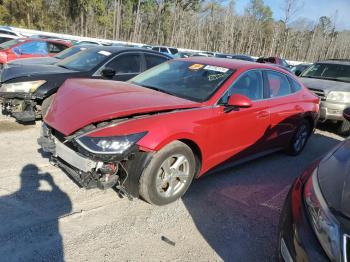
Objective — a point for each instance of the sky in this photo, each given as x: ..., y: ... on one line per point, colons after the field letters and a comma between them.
x: 311, y: 9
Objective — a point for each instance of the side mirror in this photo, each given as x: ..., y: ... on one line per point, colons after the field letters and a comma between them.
x: 346, y: 113
x: 108, y: 72
x: 237, y: 101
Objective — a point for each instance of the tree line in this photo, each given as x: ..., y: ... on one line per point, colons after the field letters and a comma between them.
x: 212, y: 25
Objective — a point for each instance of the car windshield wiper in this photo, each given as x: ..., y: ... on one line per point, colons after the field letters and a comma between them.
x: 63, y: 67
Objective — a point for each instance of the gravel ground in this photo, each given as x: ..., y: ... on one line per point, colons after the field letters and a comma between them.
x: 231, y: 215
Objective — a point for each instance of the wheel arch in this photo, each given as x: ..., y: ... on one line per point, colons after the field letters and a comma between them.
x: 197, y: 153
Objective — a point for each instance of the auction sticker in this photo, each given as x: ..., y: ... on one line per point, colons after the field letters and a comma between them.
x: 105, y: 53
x: 216, y: 68
x: 195, y: 67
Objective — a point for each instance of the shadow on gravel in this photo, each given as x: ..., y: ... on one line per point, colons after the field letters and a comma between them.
x: 237, y: 209
x: 29, y: 229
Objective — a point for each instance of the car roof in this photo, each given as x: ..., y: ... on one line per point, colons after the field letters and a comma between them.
x: 336, y: 61
x: 228, y: 63
x: 117, y: 49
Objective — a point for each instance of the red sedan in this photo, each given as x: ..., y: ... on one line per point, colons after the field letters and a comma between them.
x: 152, y: 135
x: 30, y: 47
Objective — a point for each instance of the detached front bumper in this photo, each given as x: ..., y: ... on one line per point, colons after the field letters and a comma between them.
x: 332, y: 111
x: 19, y: 105
x: 87, y: 172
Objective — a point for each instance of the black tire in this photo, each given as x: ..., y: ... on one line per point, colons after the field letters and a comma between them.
x: 46, y: 104
x: 344, y: 128
x: 294, y: 148
x: 148, y: 186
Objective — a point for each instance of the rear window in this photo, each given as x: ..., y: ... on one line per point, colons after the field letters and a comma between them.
x: 153, y: 60
x: 196, y: 82
x: 10, y: 43
x: 173, y: 51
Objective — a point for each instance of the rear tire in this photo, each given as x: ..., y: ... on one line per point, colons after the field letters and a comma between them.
x: 299, y: 139
x: 45, y: 105
x: 344, y: 128
x: 168, y: 175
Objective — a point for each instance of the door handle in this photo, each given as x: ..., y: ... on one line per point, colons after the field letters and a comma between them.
x: 262, y: 115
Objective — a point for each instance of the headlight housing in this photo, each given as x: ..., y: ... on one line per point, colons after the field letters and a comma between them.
x: 323, y: 222
x: 109, y: 145
x: 23, y: 87
x: 337, y: 96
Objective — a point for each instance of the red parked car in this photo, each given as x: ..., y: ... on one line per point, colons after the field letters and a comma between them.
x: 30, y: 47
x: 152, y: 135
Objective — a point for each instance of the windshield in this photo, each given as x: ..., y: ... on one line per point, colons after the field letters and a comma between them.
x: 196, y: 82
x: 336, y: 72
x: 10, y: 43
x: 85, y: 60
x: 69, y: 52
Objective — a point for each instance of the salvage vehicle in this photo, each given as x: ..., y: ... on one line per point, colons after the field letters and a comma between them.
x: 29, y: 47
x: 315, y: 221
x: 330, y: 81
x: 26, y: 91
x: 152, y: 135
x: 50, y: 60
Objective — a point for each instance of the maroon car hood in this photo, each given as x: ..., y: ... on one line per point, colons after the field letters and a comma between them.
x: 80, y: 102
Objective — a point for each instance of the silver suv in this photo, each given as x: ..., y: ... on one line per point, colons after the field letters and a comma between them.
x: 330, y: 81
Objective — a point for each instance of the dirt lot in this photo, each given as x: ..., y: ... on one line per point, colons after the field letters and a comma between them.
x: 231, y: 215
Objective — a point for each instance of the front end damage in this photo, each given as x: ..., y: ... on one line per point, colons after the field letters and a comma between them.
x: 89, y: 170
x: 23, y: 107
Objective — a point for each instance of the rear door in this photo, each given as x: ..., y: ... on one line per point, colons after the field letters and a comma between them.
x: 241, y: 132
x: 285, y: 107
x: 126, y: 66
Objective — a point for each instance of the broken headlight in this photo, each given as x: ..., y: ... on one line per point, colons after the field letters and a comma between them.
x: 109, y: 145
x: 22, y: 87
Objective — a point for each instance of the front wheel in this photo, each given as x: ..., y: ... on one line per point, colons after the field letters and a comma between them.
x: 299, y: 139
x: 168, y: 175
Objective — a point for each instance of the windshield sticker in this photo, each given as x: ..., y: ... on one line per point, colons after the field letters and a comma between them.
x: 214, y: 77
x: 196, y: 67
x: 216, y: 68
x: 105, y: 53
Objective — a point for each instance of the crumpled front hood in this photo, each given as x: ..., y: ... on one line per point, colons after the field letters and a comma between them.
x: 80, y: 102
x: 325, y: 85
x: 16, y: 71
x: 334, y: 179
x: 34, y: 61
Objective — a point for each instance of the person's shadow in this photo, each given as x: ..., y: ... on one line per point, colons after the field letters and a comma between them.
x: 29, y: 229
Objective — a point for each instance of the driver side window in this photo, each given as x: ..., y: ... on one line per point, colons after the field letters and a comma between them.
x: 250, y: 84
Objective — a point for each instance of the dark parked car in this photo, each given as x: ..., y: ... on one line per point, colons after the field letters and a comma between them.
x: 298, y: 69
x: 330, y: 80
x: 51, y: 60
x: 152, y: 135
x: 239, y: 57
x: 273, y: 60
x: 315, y: 221
x: 27, y: 90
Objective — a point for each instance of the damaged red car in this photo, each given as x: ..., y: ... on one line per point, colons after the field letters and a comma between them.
x: 151, y: 136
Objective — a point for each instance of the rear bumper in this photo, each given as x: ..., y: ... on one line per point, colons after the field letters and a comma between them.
x: 332, y: 111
